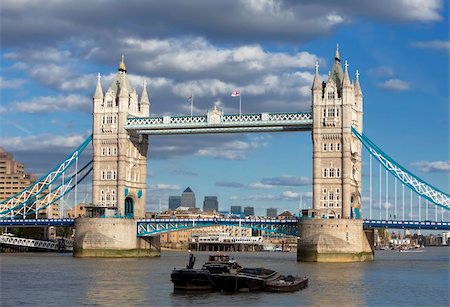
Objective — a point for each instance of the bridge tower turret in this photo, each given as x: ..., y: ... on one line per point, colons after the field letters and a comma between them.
x: 335, y: 232
x: 336, y: 108
x: 120, y: 158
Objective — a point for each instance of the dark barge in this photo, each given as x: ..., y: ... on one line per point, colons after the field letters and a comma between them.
x: 220, y: 273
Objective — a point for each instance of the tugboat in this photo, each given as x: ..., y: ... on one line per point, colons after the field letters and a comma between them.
x: 220, y: 273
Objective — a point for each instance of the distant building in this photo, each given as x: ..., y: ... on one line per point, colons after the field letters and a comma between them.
x: 236, y: 210
x: 174, y: 202
x: 249, y: 211
x: 271, y: 212
x: 211, y: 204
x: 13, y: 180
x: 188, y: 198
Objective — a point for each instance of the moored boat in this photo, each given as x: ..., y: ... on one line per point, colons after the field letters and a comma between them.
x: 286, y: 284
x: 220, y: 273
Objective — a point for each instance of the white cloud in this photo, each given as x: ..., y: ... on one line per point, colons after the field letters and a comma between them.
x: 11, y: 83
x: 422, y: 10
x: 232, y: 150
x: 381, y: 71
x: 436, y: 45
x: 46, y: 104
x: 259, y: 185
x: 290, y: 195
x: 395, y: 85
x: 42, y: 142
x: 432, y: 166
x: 163, y: 187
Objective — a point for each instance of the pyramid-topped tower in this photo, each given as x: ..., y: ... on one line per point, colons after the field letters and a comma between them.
x: 120, y: 158
x: 337, y: 107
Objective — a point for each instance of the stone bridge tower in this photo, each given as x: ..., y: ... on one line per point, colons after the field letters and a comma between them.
x: 333, y: 231
x: 120, y: 158
x: 336, y: 108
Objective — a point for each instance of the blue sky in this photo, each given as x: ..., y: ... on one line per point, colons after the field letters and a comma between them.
x: 51, y: 53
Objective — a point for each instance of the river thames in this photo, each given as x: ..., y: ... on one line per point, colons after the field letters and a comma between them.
x: 393, y: 279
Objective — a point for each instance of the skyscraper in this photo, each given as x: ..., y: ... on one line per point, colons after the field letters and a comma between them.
x: 236, y: 210
x: 211, y: 203
x: 174, y: 202
x: 271, y: 212
x: 188, y: 198
x: 249, y: 211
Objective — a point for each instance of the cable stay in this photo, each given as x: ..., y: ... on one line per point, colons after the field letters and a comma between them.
x: 416, y: 184
x: 43, y: 200
x: 42, y: 184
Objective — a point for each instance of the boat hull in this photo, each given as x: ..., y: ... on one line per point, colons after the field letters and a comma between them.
x: 282, y: 285
x: 192, y: 280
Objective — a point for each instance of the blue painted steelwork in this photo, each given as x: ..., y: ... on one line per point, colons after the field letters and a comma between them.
x: 430, y: 225
x: 41, y: 201
x: 152, y: 227
x: 263, y: 122
x: 416, y: 184
x: 26, y: 196
x: 36, y: 222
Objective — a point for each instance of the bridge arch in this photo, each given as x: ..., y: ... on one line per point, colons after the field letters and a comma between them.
x: 129, y: 207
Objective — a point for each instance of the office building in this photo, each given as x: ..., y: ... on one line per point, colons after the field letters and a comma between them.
x: 236, y: 210
x: 271, y: 212
x: 13, y: 180
x: 248, y: 211
x: 211, y: 204
x: 188, y: 198
x: 174, y: 202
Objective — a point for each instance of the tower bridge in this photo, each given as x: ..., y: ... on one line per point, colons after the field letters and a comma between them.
x: 334, y: 228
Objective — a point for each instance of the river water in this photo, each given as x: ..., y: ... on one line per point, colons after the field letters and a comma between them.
x: 394, y: 279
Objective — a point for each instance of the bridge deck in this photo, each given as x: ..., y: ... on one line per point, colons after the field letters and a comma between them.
x: 219, y: 123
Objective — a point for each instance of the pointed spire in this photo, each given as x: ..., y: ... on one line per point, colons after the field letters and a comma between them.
x: 316, y: 82
x: 98, y: 90
x: 358, y: 91
x: 337, y: 56
x: 123, y: 91
x: 346, y: 81
x: 144, y: 95
x: 122, y: 66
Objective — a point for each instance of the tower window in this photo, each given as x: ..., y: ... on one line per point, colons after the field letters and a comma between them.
x: 338, y: 146
x: 331, y: 146
x: 331, y: 172
x: 324, y: 146
x: 325, y: 172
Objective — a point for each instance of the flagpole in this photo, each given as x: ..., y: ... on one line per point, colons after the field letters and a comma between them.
x: 192, y: 104
x: 240, y: 105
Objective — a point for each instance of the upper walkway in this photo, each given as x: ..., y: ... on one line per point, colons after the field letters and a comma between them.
x: 216, y: 122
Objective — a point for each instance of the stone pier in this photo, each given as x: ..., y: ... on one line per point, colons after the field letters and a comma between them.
x: 334, y: 240
x: 112, y: 237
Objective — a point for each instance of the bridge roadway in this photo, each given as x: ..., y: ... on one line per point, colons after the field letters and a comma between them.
x: 151, y: 227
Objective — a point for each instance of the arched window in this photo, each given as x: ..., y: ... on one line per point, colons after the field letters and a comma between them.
x: 331, y: 172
